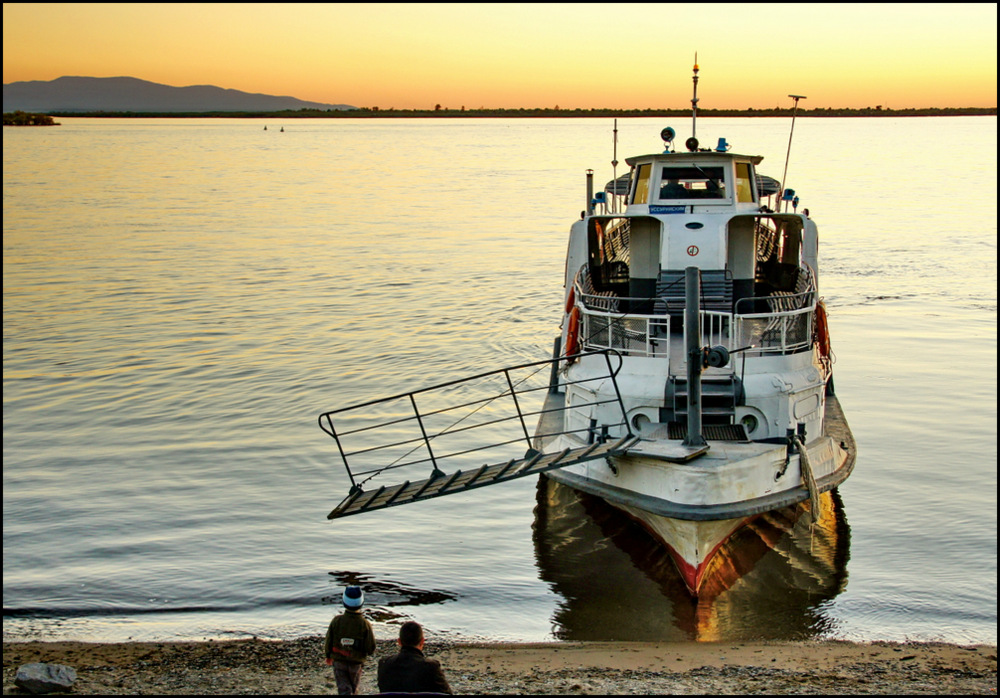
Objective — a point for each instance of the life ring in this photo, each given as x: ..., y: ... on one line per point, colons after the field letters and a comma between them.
x: 600, y: 241
x: 573, y: 332
x: 571, y: 299
x: 822, y: 331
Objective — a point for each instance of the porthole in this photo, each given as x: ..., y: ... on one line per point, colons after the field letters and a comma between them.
x: 640, y: 422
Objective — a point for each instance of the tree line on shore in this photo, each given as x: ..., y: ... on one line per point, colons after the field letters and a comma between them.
x: 18, y: 118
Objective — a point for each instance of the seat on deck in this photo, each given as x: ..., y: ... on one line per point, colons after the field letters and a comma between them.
x: 716, y: 291
x: 593, y: 299
x: 787, y: 301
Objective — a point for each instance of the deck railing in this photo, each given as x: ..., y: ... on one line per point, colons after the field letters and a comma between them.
x: 628, y: 333
x: 778, y: 332
x: 774, y: 333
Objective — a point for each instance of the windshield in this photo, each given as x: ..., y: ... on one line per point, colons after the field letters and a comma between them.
x: 692, y: 182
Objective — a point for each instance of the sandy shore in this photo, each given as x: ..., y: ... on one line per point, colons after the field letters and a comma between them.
x: 269, y: 667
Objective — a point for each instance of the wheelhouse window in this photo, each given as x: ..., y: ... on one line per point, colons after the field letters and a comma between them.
x: 641, y: 195
x: 692, y: 182
x: 744, y: 190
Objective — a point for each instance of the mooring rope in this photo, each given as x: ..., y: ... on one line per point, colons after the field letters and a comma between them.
x: 810, y: 482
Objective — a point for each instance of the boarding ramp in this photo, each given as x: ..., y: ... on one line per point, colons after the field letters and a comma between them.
x: 469, y: 433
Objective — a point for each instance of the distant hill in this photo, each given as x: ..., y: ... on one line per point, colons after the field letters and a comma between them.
x: 80, y: 94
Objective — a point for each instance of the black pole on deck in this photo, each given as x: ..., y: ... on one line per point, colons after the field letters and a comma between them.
x: 692, y: 328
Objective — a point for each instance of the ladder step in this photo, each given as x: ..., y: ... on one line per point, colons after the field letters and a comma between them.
x: 398, y: 492
x: 364, y: 505
x: 407, y: 492
x: 721, y: 411
x: 476, y: 476
x: 451, y: 479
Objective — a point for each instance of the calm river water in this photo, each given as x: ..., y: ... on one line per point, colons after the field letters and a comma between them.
x: 182, y: 298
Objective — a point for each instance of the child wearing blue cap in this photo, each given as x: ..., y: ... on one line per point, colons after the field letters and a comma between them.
x: 349, y: 641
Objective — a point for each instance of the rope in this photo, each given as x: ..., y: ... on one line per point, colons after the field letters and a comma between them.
x: 810, y: 482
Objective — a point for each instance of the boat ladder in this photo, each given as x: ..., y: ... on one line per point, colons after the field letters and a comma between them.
x: 396, y: 433
x: 533, y: 463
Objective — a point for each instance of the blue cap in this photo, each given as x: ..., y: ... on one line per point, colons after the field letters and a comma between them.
x: 353, y: 597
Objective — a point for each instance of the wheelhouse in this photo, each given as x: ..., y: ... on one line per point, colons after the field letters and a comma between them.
x: 680, y: 183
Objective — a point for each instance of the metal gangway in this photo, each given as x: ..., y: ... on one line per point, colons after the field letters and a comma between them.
x: 442, y: 426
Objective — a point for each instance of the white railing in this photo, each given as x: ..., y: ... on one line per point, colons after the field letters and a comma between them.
x: 767, y: 334
x: 775, y: 333
x: 632, y: 335
x: 715, y: 329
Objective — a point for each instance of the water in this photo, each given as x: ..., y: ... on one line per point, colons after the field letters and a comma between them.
x: 182, y: 298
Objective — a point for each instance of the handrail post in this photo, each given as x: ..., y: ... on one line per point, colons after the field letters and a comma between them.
x: 437, y: 471
x: 554, y: 371
x: 618, y: 394
x: 517, y: 406
x: 333, y: 433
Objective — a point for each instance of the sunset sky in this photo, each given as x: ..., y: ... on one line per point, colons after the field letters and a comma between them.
x: 568, y: 55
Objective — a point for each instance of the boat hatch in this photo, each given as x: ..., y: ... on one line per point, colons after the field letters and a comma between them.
x: 420, y: 435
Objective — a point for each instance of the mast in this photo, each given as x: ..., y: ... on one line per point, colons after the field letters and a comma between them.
x: 694, y: 99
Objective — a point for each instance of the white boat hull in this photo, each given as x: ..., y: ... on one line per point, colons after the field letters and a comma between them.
x: 691, y: 544
x: 694, y: 507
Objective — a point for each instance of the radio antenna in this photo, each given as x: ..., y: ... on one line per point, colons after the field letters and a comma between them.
x: 781, y: 191
x: 614, y: 170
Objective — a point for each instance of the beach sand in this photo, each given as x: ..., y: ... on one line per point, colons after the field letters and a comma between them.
x: 256, y: 666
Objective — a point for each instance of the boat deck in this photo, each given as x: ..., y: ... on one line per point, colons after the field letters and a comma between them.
x: 835, y: 428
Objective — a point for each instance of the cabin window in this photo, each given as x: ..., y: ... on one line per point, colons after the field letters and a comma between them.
x: 642, y: 184
x: 692, y: 182
x: 744, y: 191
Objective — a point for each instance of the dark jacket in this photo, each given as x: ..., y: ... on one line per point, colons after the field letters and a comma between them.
x: 410, y: 671
x: 349, y: 638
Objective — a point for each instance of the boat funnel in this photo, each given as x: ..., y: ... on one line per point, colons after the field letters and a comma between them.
x: 590, y: 193
x: 722, y: 147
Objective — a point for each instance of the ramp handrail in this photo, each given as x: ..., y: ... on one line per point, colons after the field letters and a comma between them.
x: 406, y: 414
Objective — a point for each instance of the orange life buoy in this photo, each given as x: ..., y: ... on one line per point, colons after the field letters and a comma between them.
x: 571, y: 299
x: 600, y: 241
x: 573, y: 332
x: 822, y: 331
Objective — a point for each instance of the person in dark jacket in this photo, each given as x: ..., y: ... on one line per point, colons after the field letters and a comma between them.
x: 409, y: 671
x: 349, y: 641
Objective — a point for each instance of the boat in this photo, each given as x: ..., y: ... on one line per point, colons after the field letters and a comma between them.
x: 773, y: 578
x: 691, y: 384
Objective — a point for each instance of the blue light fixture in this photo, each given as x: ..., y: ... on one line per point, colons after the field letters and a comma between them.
x: 668, y: 134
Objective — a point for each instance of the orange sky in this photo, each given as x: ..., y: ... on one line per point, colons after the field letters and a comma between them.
x: 567, y: 55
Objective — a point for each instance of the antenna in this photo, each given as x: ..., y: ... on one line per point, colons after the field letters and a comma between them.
x: 614, y: 170
x: 694, y: 99
x: 781, y: 191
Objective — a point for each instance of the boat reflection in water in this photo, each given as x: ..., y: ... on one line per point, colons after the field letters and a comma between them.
x: 771, y: 580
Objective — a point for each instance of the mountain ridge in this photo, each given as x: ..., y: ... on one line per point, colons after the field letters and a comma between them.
x: 129, y: 94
